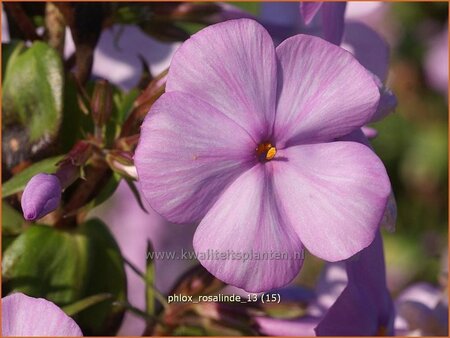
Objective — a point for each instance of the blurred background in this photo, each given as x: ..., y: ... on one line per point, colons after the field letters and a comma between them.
x: 412, y: 142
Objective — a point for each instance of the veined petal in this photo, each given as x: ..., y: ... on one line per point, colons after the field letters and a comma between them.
x: 247, y: 220
x: 187, y: 154
x: 232, y: 66
x: 334, y: 194
x: 323, y: 92
x: 390, y: 214
x: 27, y: 316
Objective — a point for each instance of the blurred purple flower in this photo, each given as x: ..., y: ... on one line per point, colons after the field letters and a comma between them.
x: 228, y: 12
x: 332, y: 18
x: 41, y: 196
x: 121, y: 48
x: 422, y: 310
x: 436, y: 63
x: 303, y: 327
x: 366, y: 11
x: 211, y: 149
x: 347, y: 304
x: 27, y: 316
x: 365, y: 306
x: 5, y: 28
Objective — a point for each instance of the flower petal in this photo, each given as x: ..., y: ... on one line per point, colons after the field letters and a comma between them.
x: 368, y: 47
x: 298, y: 327
x: 27, y: 316
x: 324, y: 92
x: 390, y: 214
x: 308, y: 10
x: 351, y: 315
x: 365, y: 306
x: 232, y: 66
x: 247, y: 220
x: 41, y: 196
x: 332, y: 281
x: 334, y: 194
x: 187, y: 154
x: 333, y: 21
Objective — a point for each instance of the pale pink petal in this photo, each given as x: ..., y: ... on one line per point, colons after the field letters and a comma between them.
x: 27, y: 316
x: 369, y: 132
x: 187, y: 154
x: 232, y: 66
x: 248, y: 220
x: 334, y: 194
x: 390, y: 214
x: 324, y: 92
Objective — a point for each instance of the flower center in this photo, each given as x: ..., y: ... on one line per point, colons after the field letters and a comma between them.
x: 266, y: 151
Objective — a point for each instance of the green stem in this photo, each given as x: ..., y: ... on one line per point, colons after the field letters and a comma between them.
x: 158, y: 295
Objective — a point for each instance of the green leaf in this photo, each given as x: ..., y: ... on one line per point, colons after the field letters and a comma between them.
x: 75, y: 123
x: 12, y: 225
x: 251, y: 7
x: 12, y: 220
x: 124, y: 103
x: 47, y: 262
x: 18, y: 182
x: 9, y: 52
x: 184, y: 330
x: 105, y: 192
x: 85, y: 303
x: 67, y: 266
x: 32, y: 92
x: 106, y: 274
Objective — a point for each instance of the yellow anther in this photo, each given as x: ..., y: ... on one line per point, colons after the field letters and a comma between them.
x: 266, y: 151
x: 271, y: 153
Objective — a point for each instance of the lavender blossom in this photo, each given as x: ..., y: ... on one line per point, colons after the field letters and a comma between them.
x: 27, y: 316
x: 41, y: 196
x: 240, y: 141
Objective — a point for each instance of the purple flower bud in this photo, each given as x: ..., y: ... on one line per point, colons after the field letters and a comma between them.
x: 41, y: 196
